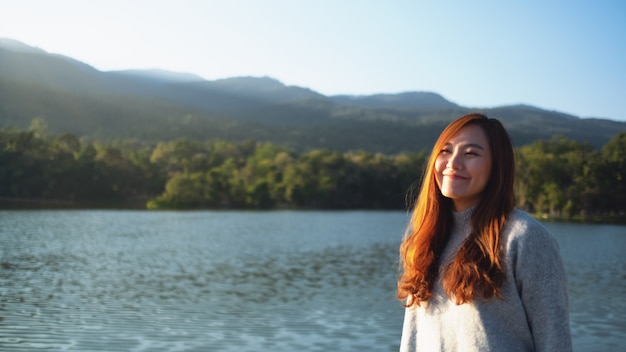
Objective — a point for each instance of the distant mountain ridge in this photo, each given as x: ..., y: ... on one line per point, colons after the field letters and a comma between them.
x: 154, y: 105
x: 17, y: 46
x: 160, y: 75
x: 405, y: 100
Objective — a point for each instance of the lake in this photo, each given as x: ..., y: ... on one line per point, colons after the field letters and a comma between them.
x: 83, y: 280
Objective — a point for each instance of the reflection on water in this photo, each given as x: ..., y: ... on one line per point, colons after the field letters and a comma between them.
x: 245, y: 281
x: 199, y: 281
x: 596, y: 268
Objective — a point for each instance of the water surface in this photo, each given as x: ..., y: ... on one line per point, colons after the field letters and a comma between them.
x: 245, y: 281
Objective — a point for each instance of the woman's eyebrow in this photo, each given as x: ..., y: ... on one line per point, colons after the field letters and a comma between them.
x: 473, y: 145
x: 468, y: 145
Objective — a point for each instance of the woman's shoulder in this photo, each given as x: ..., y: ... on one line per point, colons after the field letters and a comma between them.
x: 521, y: 226
x: 532, y: 250
x: 519, y: 216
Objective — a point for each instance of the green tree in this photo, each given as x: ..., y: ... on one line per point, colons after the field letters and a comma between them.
x: 180, y: 156
x: 39, y: 127
x: 612, y: 175
x: 181, y: 191
x: 557, y: 177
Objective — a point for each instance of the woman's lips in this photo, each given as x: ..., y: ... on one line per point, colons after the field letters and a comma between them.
x: 455, y: 176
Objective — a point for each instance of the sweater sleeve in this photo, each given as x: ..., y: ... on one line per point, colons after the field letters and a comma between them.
x: 542, y: 286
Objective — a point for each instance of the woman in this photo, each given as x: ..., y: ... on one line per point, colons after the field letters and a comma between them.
x: 478, y: 274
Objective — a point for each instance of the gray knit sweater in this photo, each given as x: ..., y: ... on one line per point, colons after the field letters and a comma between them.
x: 532, y: 316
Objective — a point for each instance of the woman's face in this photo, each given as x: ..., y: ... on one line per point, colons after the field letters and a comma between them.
x: 463, y: 167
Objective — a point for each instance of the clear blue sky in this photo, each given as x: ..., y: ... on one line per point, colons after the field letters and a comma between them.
x: 568, y: 56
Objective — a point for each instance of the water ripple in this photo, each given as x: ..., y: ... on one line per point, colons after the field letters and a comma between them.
x: 242, y: 281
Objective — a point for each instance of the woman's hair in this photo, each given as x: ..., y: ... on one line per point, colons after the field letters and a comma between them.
x: 478, y: 268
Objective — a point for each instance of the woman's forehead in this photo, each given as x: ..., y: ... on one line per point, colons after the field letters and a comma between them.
x: 469, y: 135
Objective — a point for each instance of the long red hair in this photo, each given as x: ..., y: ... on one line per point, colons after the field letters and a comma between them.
x: 478, y: 269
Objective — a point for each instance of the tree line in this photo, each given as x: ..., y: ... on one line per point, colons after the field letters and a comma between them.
x: 557, y: 177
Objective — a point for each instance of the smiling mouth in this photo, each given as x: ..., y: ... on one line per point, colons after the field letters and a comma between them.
x: 455, y: 177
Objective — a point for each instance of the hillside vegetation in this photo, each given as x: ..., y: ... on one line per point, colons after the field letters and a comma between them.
x: 154, y: 106
x: 72, y: 135
x: 559, y: 177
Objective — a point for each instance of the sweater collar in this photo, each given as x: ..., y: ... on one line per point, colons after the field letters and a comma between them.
x: 463, y: 217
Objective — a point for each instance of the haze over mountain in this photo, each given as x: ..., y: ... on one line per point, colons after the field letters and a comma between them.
x: 155, y: 105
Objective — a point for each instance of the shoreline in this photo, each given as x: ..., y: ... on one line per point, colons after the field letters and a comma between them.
x: 595, y: 219
x: 7, y: 203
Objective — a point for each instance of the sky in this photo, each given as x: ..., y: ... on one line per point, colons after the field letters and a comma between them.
x: 562, y: 55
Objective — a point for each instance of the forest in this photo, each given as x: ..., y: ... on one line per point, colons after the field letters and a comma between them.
x: 557, y: 178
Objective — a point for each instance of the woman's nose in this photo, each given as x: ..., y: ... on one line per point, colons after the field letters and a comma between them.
x: 454, y: 162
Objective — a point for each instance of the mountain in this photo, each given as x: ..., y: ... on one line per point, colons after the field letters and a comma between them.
x: 408, y: 100
x: 155, y: 105
x: 17, y: 46
x: 159, y: 75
